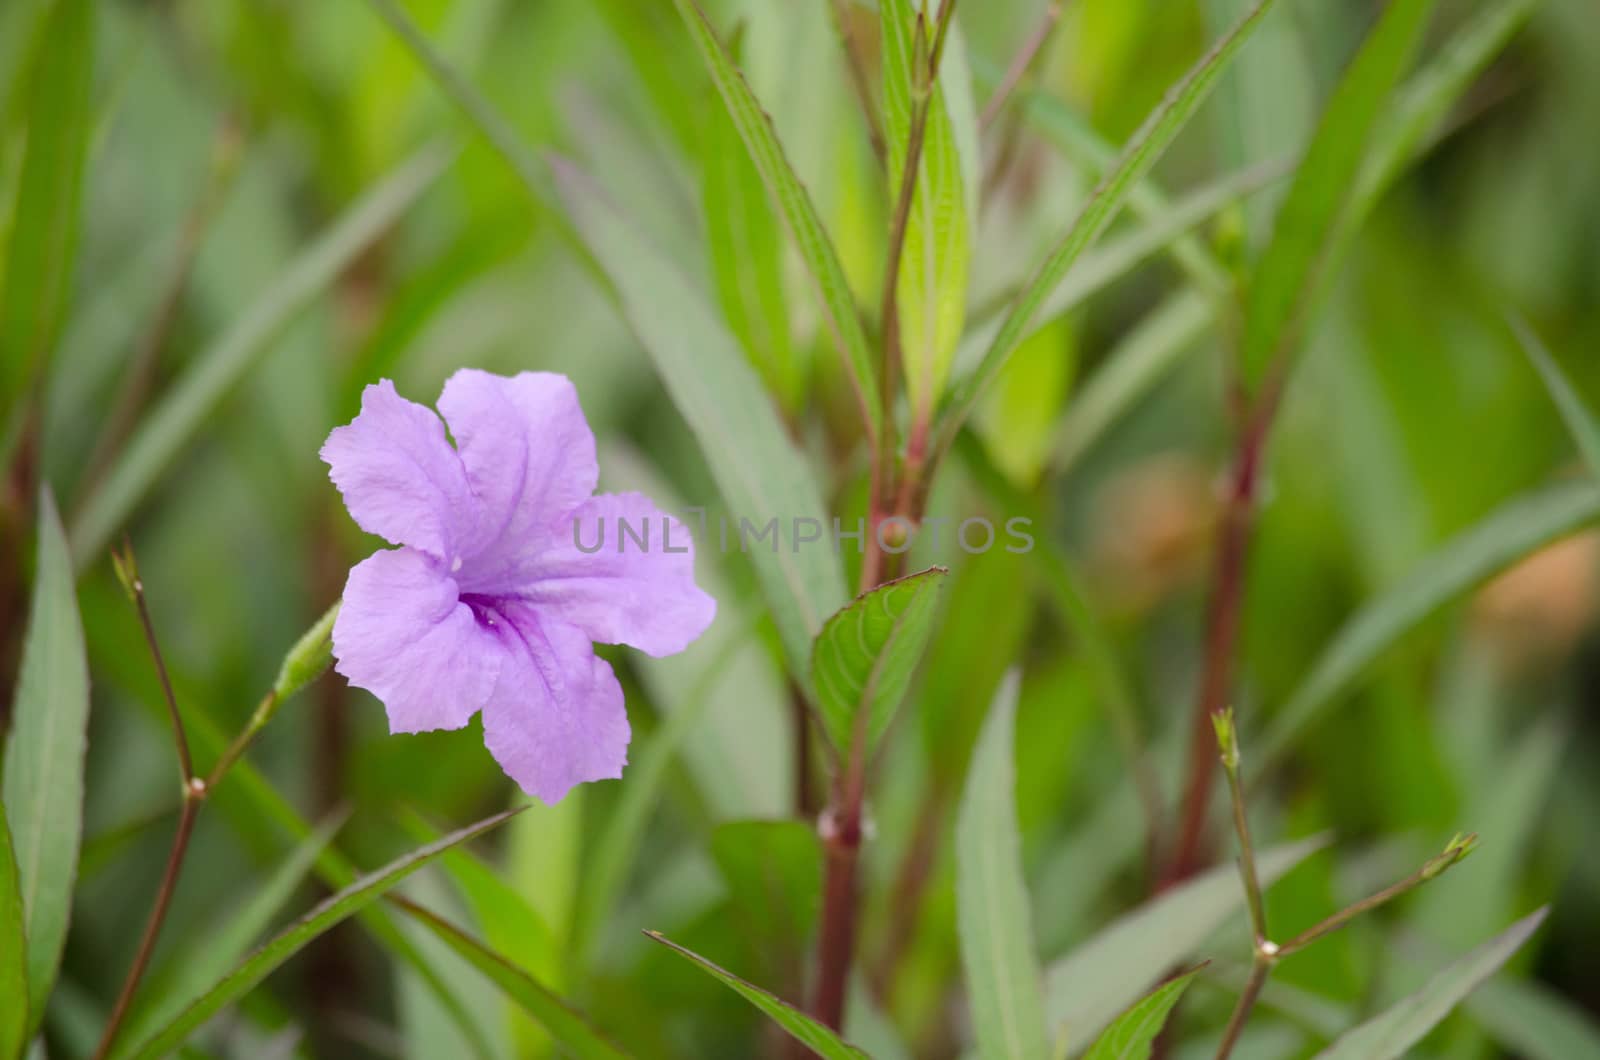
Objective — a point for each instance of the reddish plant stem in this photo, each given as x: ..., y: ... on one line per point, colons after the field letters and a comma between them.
x: 1259, y: 969
x: 1223, y: 612
x: 837, y: 936
x: 841, y: 844
x: 194, y: 791
x: 152, y: 927
x: 841, y: 828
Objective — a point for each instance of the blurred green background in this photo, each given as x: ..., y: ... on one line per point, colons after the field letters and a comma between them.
x: 222, y: 138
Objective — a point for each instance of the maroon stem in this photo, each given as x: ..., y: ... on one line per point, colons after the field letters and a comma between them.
x: 836, y: 939
x: 1223, y: 612
x: 152, y: 927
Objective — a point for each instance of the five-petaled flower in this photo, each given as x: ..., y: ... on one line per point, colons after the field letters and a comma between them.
x: 488, y: 604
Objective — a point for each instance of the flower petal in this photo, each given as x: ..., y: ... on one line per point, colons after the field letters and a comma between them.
x: 399, y: 476
x: 623, y: 572
x: 555, y: 718
x: 529, y: 457
x: 404, y: 635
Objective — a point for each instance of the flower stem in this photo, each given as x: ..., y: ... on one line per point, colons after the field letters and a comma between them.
x: 841, y: 841
x: 1259, y: 970
x: 194, y: 791
x: 306, y: 660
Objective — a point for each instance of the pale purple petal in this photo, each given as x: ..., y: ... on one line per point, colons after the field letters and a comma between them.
x: 404, y: 635
x: 529, y: 456
x: 623, y: 572
x: 399, y: 476
x: 555, y: 718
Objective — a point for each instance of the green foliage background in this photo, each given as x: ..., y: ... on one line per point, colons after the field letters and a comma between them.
x: 181, y: 332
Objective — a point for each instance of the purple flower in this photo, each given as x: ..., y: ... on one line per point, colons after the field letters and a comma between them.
x: 488, y: 604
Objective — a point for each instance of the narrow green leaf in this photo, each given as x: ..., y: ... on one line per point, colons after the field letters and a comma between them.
x: 805, y: 1030
x: 1104, y: 265
x: 931, y: 289
x: 805, y: 225
x: 1291, y: 270
x: 37, y: 273
x: 1507, y: 534
x: 333, y: 911
x: 185, y: 978
x: 43, y: 780
x: 1133, y: 1033
x: 506, y: 916
x: 564, y: 1023
x: 13, y: 952
x: 992, y: 907
x: 1078, y: 140
x: 763, y: 480
x: 1141, y: 152
x: 1416, y: 111
x: 864, y: 658
x: 1579, y: 418
x: 747, y: 258
x: 1086, y: 989
x: 1390, y: 1034
x: 220, y: 367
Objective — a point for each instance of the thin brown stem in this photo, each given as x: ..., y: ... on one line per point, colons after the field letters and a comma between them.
x: 194, y: 791
x: 152, y: 927
x: 128, y: 573
x: 1456, y: 850
x: 1031, y: 47
x: 1247, y: 1001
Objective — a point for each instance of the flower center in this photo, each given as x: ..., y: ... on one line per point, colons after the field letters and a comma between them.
x: 486, y: 609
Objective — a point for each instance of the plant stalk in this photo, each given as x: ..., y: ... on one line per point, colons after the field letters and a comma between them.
x: 194, y: 791
x: 1223, y: 614
x: 878, y: 566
